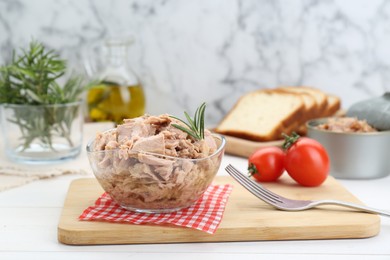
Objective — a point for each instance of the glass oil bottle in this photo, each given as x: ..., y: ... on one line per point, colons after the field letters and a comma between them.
x: 119, y: 93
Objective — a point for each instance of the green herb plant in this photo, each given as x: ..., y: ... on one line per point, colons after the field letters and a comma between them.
x: 194, y: 126
x: 31, y: 79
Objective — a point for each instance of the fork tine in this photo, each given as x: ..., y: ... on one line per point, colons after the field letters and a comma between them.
x: 255, y: 185
x: 255, y: 188
x: 250, y: 186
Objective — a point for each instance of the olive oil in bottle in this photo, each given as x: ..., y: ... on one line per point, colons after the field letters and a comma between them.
x: 114, y: 103
x: 119, y: 95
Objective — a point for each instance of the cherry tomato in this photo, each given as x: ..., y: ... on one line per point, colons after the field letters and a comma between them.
x: 307, y: 162
x: 266, y: 164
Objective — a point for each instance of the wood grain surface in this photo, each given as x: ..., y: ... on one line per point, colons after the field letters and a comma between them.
x: 246, y: 218
x: 245, y: 148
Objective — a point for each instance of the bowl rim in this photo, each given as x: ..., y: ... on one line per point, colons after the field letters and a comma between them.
x: 312, y: 123
x: 220, y: 149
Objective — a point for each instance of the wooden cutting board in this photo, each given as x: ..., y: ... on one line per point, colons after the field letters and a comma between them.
x: 246, y: 218
x: 245, y: 148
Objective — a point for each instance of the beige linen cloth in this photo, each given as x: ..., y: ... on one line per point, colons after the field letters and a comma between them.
x: 16, y: 174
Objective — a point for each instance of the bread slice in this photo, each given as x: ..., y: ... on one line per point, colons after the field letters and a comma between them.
x: 263, y: 115
x: 308, y: 100
x: 334, y: 105
x: 319, y: 97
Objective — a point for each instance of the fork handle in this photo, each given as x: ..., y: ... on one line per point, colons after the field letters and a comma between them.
x: 351, y: 205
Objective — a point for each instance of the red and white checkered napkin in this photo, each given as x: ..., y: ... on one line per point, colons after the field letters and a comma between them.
x: 204, y: 215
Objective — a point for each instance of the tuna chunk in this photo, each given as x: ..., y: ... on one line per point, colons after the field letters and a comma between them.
x: 135, y: 128
x: 102, y: 139
x: 152, y: 144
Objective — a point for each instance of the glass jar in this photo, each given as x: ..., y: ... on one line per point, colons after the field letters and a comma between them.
x: 119, y: 93
x: 41, y: 134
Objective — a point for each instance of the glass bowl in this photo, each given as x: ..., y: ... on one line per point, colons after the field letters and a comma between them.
x: 154, y: 183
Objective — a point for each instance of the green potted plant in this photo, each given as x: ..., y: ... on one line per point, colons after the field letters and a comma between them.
x: 41, y: 120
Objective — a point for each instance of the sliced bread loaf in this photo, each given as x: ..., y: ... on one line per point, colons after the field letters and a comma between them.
x: 319, y: 97
x: 263, y: 115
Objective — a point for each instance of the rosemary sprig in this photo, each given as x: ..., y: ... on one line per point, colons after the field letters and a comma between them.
x: 195, y: 126
x: 31, y: 79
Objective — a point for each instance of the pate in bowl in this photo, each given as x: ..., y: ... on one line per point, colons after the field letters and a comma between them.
x: 149, y: 165
x: 356, y: 149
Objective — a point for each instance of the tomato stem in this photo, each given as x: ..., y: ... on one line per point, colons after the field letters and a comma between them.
x: 289, y: 140
x: 252, y: 169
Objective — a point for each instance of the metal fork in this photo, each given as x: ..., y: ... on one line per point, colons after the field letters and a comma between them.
x: 283, y: 203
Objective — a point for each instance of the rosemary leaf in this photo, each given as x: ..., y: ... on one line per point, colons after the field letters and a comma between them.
x: 191, y: 123
x: 200, y: 116
x: 187, y: 130
x: 195, y: 126
x: 184, y: 122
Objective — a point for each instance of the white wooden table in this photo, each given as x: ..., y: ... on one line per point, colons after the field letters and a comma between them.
x: 29, y: 217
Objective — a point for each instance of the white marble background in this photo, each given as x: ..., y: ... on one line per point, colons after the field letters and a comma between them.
x: 187, y: 52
